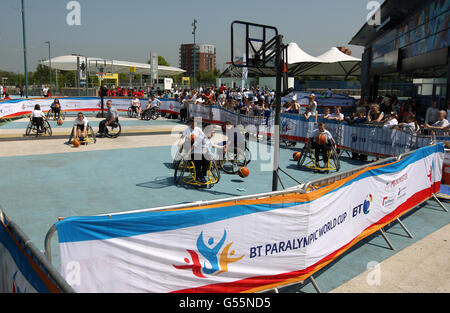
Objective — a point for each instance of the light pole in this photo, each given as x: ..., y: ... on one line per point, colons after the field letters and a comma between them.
x: 194, y: 28
x: 49, y: 62
x: 24, y: 51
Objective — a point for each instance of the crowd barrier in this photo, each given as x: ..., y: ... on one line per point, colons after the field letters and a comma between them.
x: 365, y: 139
x: 22, y: 107
x: 244, y: 244
x: 23, y: 268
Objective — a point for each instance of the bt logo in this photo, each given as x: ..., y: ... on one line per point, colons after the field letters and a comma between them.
x: 363, y: 207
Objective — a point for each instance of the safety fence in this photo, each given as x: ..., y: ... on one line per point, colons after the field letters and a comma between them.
x: 23, y: 268
x: 244, y: 244
x: 359, y: 138
x: 367, y: 139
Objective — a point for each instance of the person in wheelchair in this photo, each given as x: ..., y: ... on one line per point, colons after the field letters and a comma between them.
x: 153, y: 105
x: 55, y: 107
x: 80, y: 126
x: 37, y: 117
x: 112, y: 116
x: 135, y: 105
x: 235, y: 140
x: 321, y: 142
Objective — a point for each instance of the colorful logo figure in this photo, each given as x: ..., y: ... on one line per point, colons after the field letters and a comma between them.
x: 430, y: 173
x: 285, y: 127
x: 367, y: 203
x: 218, y: 260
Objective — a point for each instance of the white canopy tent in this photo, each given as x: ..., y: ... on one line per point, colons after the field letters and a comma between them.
x: 334, y: 63
x: 69, y: 63
x: 331, y: 63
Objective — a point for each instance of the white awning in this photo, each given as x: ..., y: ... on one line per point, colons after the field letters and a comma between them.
x: 69, y: 63
x: 335, y: 63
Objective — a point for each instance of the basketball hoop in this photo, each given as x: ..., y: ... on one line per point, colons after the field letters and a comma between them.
x: 100, y: 75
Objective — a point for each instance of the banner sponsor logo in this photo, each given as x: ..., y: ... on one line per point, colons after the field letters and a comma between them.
x: 363, y: 207
x: 215, y: 261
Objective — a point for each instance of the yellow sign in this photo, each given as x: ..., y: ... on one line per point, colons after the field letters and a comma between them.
x: 113, y: 76
x: 185, y: 80
x: 132, y: 69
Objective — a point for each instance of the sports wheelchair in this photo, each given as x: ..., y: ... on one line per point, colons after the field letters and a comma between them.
x: 32, y: 128
x: 132, y: 111
x: 234, y: 158
x: 152, y: 113
x: 90, y: 136
x: 113, y: 130
x: 185, y: 172
x: 52, y: 114
x: 308, y: 159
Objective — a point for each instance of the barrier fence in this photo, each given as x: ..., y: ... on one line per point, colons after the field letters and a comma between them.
x: 244, y: 244
x: 24, y: 269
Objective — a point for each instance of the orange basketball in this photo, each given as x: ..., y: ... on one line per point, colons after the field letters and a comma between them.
x: 192, y: 138
x: 59, y: 122
x: 76, y: 142
x: 297, y: 155
x: 321, y: 139
x: 243, y: 172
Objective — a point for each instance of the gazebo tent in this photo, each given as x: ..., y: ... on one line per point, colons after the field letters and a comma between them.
x: 331, y: 63
x: 69, y: 63
x: 335, y: 63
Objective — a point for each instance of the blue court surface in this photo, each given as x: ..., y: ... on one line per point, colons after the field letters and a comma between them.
x: 37, y: 189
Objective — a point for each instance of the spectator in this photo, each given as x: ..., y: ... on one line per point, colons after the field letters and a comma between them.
x: 313, y: 106
x: 409, y: 125
x: 441, y: 122
x: 431, y: 114
x: 375, y: 115
x: 326, y: 113
x: 390, y: 120
x: 337, y: 115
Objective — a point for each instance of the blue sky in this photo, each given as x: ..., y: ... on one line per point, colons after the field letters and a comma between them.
x: 130, y: 30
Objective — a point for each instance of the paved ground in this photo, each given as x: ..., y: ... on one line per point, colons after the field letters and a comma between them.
x: 43, y: 179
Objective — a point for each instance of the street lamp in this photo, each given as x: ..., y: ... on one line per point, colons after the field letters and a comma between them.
x: 49, y: 62
x: 24, y: 50
x: 194, y: 25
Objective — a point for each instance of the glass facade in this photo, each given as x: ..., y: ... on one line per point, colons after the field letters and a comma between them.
x: 425, y: 31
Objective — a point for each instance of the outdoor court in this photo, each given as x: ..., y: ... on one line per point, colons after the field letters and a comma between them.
x: 44, y: 179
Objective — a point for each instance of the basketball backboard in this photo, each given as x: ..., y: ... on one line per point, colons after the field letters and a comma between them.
x: 253, y: 45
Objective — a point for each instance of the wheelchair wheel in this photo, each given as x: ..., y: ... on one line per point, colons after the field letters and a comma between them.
x: 130, y: 112
x: 215, y: 172
x: 113, y: 130
x: 335, y: 156
x: 50, y: 114
x: 305, y: 152
x: 178, y: 175
x: 47, y: 128
x: 29, y: 128
x: 91, y: 135
x: 233, y: 161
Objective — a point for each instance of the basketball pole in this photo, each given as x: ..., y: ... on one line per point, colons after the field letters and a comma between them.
x: 276, y: 153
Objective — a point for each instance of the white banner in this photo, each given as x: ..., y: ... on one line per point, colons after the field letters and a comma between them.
x: 248, y: 245
x: 12, y: 108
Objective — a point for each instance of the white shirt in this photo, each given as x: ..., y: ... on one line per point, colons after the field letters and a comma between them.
x: 84, y: 121
x: 198, y: 146
x: 391, y: 123
x: 327, y: 134
x: 37, y: 113
x: 313, y: 106
x: 136, y: 103
x: 443, y: 123
x: 338, y: 116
